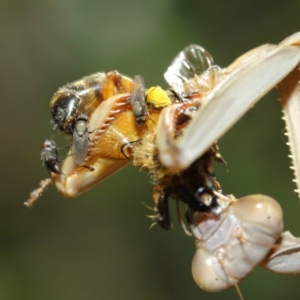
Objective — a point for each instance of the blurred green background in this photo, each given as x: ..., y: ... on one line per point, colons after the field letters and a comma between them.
x: 98, y: 245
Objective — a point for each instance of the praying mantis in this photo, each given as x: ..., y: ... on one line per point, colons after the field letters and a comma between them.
x: 176, y: 145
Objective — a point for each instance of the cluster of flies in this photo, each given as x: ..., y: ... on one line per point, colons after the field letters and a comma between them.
x: 49, y: 153
x: 114, y: 120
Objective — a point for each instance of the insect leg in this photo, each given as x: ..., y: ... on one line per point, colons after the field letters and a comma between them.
x: 160, y: 197
x: 34, y: 195
x: 289, y: 90
x: 284, y: 258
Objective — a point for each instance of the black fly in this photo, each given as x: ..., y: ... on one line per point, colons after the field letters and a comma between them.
x: 138, y: 100
x: 49, y: 157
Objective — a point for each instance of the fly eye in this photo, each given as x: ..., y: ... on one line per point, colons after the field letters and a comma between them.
x: 48, y: 145
x: 63, y: 112
x: 81, y: 127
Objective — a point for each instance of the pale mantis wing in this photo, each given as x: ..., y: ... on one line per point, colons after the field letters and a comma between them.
x: 227, y: 102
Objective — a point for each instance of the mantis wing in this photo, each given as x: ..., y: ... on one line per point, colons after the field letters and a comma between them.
x: 227, y: 102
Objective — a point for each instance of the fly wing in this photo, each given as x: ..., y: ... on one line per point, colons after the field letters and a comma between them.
x: 137, y: 88
x: 138, y: 102
x: 80, y: 148
x: 230, y: 99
